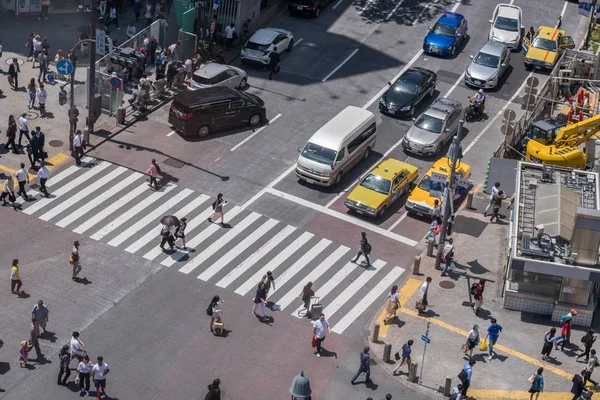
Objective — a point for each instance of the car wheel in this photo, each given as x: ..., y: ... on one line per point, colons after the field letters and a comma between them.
x: 367, y: 153
x: 382, y: 212
x: 243, y: 83
x: 317, y: 12
x: 411, y: 112
x: 290, y: 46
x: 431, y: 92
x: 337, y: 178
x: 203, y: 131
x: 255, y: 119
x: 452, y: 51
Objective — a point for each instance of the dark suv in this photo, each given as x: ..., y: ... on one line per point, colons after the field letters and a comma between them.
x: 310, y: 7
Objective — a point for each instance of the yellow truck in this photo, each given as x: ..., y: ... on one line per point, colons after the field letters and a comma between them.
x: 543, y: 49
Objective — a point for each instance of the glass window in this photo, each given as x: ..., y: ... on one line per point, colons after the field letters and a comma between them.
x: 507, y: 24
x: 231, y: 73
x: 376, y: 183
x: 219, y: 107
x: 318, y: 153
x: 238, y: 104
x: 533, y: 283
x: 429, y: 123
x: 219, y: 78
x: 444, y: 30
x: 353, y: 145
x: 341, y: 155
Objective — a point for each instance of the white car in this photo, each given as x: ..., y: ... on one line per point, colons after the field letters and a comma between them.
x: 506, y: 25
x: 263, y: 42
x: 214, y: 74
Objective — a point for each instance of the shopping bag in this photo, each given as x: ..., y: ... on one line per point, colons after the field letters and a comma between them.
x: 464, y: 348
x: 11, y: 81
x: 314, y: 341
x: 483, y: 346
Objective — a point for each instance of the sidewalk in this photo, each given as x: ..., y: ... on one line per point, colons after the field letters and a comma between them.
x: 479, y: 253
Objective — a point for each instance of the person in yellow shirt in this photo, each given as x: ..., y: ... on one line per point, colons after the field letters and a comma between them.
x: 15, y: 278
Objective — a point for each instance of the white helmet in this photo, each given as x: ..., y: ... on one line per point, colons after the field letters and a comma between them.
x: 481, y: 91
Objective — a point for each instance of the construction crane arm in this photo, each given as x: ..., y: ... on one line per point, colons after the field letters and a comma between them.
x: 576, y: 134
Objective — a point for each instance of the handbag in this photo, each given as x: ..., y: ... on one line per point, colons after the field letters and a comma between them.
x: 77, y: 379
x: 464, y: 348
x: 483, y: 345
x: 73, y: 153
x: 397, y: 356
x: 11, y: 81
x: 531, y: 378
x: 462, y: 376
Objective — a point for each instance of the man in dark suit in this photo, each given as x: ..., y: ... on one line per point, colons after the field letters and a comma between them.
x: 41, y: 142
x: 578, y: 386
x: 13, y: 72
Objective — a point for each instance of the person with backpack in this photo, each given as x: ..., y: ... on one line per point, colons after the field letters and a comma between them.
x: 217, y: 206
x: 477, y: 293
x: 65, y: 359
x: 214, y: 393
x: 153, y: 171
x: 588, y: 341
x: 268, y: 280
x: 214, y: 312
x: 448, y: 256
x: 568, y: 317
x: 537, y: 384
x: 549, y: 339
x: 365, y: 249
x: 465, y: 376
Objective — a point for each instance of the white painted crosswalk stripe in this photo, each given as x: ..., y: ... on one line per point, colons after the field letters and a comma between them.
x: 237, y: 250
x: 82, y: 179
x: 154, y: 215
x: 82, y: 209
x: 219, y: 243
x: 53, y: 180
x: 155, y: 231
x: 89, y: 190
x: 365, y: 302
x: 132, y: 211
x: 256, y: 256
x: 301, y: 263
x: 274, y: 263
x: 315, y: 274
x: 20, y: 200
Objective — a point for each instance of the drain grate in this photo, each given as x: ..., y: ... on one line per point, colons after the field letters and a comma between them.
x: 447, y: 285
x: 173, y: 163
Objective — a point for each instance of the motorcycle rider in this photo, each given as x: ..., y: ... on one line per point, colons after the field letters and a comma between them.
x: 478, y: 101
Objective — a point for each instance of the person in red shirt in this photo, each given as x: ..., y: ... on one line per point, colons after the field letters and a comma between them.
x: 564, y: 333
x: 478, y: 296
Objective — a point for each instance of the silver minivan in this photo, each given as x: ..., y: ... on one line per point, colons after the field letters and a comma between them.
x: 337, y: 147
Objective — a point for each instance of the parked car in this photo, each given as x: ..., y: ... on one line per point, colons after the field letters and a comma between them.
x: 488, y: 65
x: 448, y: 33
x: 382, y: 186
x: 310, y: 7
x: 506, y: 25
x: 200, y: 112
x: 407, y: 92
x: 432, y: 129
x: 214, y: 74
x: 263, y: 42
x: 544, y: 49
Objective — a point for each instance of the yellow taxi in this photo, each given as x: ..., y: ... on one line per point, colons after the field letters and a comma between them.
x: 383, y: 185
x: 544, y: 47
x: 432, y: 185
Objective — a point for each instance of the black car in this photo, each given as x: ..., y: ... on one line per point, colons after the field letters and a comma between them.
x: 310, y: 7
x: 405, y: 94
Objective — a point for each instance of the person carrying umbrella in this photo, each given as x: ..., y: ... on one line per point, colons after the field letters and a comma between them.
x: 168, y: 222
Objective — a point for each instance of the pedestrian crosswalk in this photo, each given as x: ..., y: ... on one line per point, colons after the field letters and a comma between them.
x: 114, y: 205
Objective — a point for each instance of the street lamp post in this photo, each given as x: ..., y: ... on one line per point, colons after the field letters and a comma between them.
x: 73, y: 112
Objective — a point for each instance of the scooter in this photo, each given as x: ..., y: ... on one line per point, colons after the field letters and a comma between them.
x: 473, y: 110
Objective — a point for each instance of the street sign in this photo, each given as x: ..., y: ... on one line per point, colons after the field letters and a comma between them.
x: 115, y: 82
x: 425, y: 339
x: 64, y: 67
x: 50, y: 77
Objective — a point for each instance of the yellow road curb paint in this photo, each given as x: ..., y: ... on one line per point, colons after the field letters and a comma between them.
x: 504, y: 349
x: 477, y: 188
x: 404, y: 294
x: 487, y: 394
x: 52, y: 163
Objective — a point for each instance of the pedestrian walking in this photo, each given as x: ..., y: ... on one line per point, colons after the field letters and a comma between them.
x: 319, y: 327
x: 478, y: 296
x: 180, y: 231
x: 23, y: 129
x: 307, y: 294
x: 229, y: 35
x: 558, y: 22
x: 34, y: 334
x: 465, y: 376
x: 102, y: 9
x: 45, y: 46
x: 9, y: 191
x: 393, y: 305
x: 37, y: 49
x: 214, y: 392
x: 537, y: 384
x: 30, y: 156
x: 423, y: 303
x: 24, y: 354
x: 41, y: 314
x: 493, y: 332
x: 591, y: 364
x: 214, y: 312
x: 45, y: 8
x: 83, y: 373
x: 43, y: 60
x: 456, y: 392
x: 75, y: 261
x: 406, y: 350
x: 365, y: 366
x: 42, y: 96
x: 100, y: 370
x: 260, y: 298
x: 448, y: 256
x: 167, y: 237
x: 549, y: 339
x: 564, y: 333
x: 11, y: 134
x: 578, y: 386
x: 63, y: 366
x: 148, y: 14
x: 472, y: 341
x: 568, y: 317
x: 15, y: 278
x: 496, y: 204
x: 29, y: 45
x: 153, y: 172
x: 136, y: 8
x: 217, y: 206
x: 433, y: 229
x: 13, y: 73
x: 131, y: 31
x: 77, y: 347
x: 112, y: 16
x: 437, y: 210
x: 495, y: 190
x: 269, y: 281
x: 365, y: 249
x: 31, y: 91
x: 36, y: 149
x: 43, y: 174
x: 23, y: 178
x: 78, y: 146
x: 274, y: 60
x: 588, y: 341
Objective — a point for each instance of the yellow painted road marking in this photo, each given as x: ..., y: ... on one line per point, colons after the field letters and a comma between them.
x: 477, y: 188
x: 51, y: 163
x: 485, y: 394
x: 404, y: 294
x: 504, y: 349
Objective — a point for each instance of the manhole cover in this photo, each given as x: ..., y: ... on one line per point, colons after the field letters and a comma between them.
x: 9, y: 61
x: 55, y: 143
x: 447, y: 284
x: 533, y: 81
x: 507, y: 129
x: 173, y: 163
x: 510, y: 115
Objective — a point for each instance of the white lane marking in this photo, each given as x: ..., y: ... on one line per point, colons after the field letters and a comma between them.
x: 256, y: 256
x: 132, y: 212
x: 458, y: 81
x: 199, y: 238
x: 153, y: 215
x: 302, y: 262
x: 393, y: 11
x: 352, y: 289
x: 337, y: 4
x: 367, y: 4
x: 256, y: 132
x: 498, y: 114
x: 237, y: 250
x: 340, y: 66
x: 367, y: 300
x: 111, y: 208
x: 170, y: 133
x: 154, y: 232
x: 82, y: 179
x: 422, y: 12
x: 562, y: 13
x: 270, y: 185
x: 83, y: 194
x: 30, y: 193
x: 344, y: 217
x: 53, y: 180
x: 274, y: 263
x: 296, y: 44
x: 93, y: 203
x: 315, y: 274
x: 395, y: 224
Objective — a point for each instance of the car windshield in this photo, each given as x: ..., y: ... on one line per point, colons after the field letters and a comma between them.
x: 377, y: 183
x: 486, y: 60
x: 404, y: 85
x: 201, y: 79
x: 444, y: 30
x: 429, y: 123
x: 255, y: 46
x: 318, y: 153
x: 544, y: 44
x: 425, y: 184
x: 507, y: 24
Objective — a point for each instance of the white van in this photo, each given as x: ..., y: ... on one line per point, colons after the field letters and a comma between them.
x: 337, y: 147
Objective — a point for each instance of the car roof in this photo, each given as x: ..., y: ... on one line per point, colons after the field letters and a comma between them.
x: 393, y: 167
x: 266, y: 35
x: 211, y: 70
x: 333, y: 132
x: 547, y: 125
x: 493, y: 48
x: 509, y: 11
x: 451, y: 19
x: 442, y: 108
x: 206, y: 95
x: 443, y: 166
x: 547, y: 32
x: 416, y: 74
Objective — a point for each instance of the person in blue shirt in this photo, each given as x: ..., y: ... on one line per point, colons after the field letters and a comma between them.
x: 493, y: 332
x: 537, y: 385
x: 468, y: 369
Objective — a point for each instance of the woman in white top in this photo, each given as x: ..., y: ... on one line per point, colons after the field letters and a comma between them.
x: 392, y: 306
x: 472, y: 340
x: 77, y: 347
x: 83, y: 373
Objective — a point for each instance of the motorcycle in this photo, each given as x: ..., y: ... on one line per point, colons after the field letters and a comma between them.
x: 473, y: 110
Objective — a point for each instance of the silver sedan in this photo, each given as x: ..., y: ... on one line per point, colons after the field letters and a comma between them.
x: 488, y: 66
